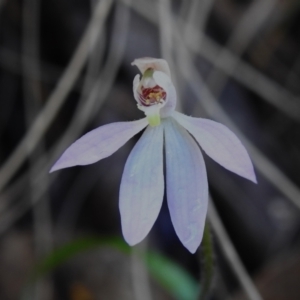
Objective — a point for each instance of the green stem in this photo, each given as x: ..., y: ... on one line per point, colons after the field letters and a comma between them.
x: 207, y: 275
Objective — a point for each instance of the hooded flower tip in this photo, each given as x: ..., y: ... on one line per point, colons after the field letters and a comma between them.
x: 154, y: 92
x: 158, y: 64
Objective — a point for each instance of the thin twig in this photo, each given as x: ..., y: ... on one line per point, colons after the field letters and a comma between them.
x: 246, y: 30
x: 166, y: 40
x: 197, y: 17
x: 239, y: 40
x: 165, y: 29
x: 244, y: 73
x: 184, y: 9
x: 42, y: 225
x: 10, y: 61
x: 33, y: 101
x: 291, y: 79
x: 70, y: 209
x: 56, y: 99
x: 83, y: 114
x: 10, y: 103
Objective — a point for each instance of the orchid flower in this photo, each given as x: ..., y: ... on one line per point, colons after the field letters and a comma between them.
x: 143, y: 184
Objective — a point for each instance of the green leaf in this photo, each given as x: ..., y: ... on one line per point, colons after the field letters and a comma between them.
x: 168, y: 274
x: 66, y: 252
x: 172, y: 277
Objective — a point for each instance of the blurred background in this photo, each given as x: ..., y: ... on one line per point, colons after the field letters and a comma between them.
x: 65, y: 68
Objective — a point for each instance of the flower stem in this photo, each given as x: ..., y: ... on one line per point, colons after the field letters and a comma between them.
x: 207, y: 275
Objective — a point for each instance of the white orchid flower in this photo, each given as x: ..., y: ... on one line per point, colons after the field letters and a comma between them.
x: 142, y: 185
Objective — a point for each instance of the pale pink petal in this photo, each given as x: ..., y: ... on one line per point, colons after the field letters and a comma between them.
x: 142, y: 186
x: 99, y: 143
x: 157, y: 64
x: 187, y: 188
x: 221, y: 144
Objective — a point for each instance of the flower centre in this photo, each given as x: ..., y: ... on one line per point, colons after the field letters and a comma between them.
x: 152, y: 95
